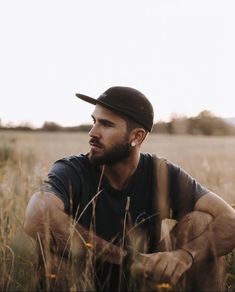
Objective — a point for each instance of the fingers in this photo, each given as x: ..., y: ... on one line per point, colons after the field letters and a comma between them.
x: 138, y: 266
x: 164, y: 267
x: 159, y: 278
x: 172, y: 274
x: 176, y: 276
x: 155, y: 268
x: 167, y: 275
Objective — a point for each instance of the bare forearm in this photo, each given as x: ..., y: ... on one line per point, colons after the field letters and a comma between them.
x: 73, y: 237
x: 102, y: 248
x: 51, y: 225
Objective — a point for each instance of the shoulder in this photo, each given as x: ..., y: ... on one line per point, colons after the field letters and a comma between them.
x: 68, y: 178
x: 74, y: 159
x: 76, y: 162
x: 71, y: 168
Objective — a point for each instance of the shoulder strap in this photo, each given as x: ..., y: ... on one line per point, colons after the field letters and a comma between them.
x: 161, y: 180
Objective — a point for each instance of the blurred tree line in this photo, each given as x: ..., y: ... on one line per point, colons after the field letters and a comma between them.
x: 51, y: 126
x: 205, y: 123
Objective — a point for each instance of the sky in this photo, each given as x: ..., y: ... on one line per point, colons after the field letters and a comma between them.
x: 180, y: 54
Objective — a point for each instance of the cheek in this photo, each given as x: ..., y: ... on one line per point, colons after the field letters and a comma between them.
x: 112, y: 136
x: 113, y: 140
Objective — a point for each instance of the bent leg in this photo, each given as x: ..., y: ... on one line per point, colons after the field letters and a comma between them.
x: 208, y: 275
x: 30, y: 267
x: 18, y: 262
x: 59, y: 273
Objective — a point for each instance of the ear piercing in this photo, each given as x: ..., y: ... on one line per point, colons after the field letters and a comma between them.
x: 132, y: 143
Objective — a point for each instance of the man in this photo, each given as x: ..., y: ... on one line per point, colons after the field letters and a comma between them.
x: 105, y: 209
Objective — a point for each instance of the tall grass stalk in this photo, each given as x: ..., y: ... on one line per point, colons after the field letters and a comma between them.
x: 25, y: 159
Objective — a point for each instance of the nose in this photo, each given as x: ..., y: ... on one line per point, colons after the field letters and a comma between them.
x: 94, y: 132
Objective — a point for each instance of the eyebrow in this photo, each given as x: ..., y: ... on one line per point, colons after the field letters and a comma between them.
x: 103, y: 121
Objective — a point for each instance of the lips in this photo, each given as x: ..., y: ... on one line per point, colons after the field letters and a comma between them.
x: 95, y: 144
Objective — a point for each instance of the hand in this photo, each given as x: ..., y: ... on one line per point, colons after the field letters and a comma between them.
x: 167, y: 267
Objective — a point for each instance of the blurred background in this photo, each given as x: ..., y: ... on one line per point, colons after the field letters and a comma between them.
x: 178, y: 53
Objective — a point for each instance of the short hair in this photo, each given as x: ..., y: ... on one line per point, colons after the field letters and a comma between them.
x: 131, y: 124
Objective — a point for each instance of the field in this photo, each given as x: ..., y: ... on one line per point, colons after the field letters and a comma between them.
x: 25, y: 158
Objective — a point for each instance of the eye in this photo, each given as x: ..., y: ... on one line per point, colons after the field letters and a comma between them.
x: 107, y: 124
x: 93, y: 120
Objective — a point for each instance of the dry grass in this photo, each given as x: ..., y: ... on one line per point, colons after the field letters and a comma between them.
x: 28, y: 156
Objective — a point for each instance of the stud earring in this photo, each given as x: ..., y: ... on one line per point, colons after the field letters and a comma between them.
x: 133, y: 144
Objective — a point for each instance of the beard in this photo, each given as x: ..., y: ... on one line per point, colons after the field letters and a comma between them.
x: 116, y: 154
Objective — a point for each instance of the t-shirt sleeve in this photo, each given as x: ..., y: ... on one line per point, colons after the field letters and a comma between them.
x: 184, y: 191
x: 64, y: 182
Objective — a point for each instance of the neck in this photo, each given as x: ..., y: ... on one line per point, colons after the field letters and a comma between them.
x: 120, y: 173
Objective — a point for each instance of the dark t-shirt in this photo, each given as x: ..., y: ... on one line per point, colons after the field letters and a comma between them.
x: 75, y: 181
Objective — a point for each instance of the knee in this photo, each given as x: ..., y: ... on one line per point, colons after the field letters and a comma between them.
x: 190, y: 226
x: 198, y: 219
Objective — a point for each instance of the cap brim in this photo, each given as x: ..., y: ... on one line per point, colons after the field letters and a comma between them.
x: 86, y: 98
x: 96, y: 101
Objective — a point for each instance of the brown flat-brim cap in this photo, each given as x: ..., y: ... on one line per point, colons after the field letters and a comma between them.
x: 127, y: 101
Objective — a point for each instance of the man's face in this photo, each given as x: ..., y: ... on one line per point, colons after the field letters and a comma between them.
x: 109, y: 138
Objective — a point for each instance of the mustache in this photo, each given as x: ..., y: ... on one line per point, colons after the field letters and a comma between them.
x: 95, y: 142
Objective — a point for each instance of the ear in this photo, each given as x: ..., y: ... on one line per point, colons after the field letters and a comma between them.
x: 137, y: 136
